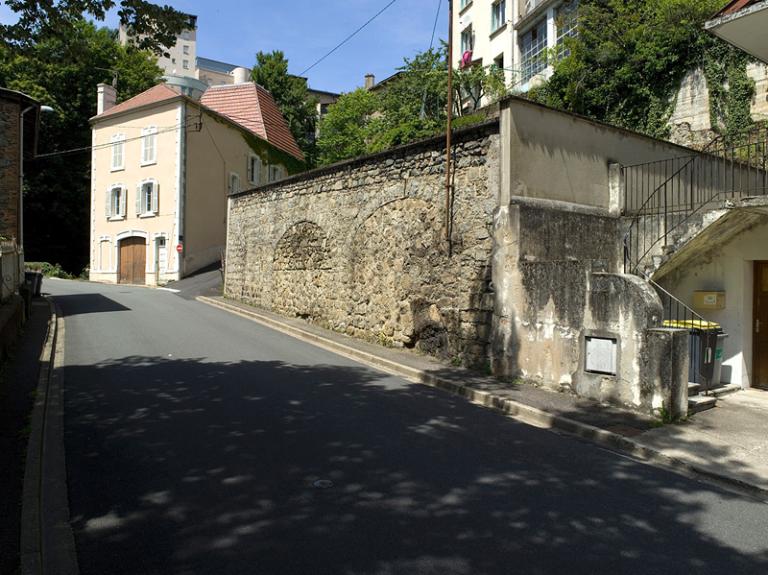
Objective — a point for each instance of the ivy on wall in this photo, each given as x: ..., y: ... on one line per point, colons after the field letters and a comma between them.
x: 627, y: 64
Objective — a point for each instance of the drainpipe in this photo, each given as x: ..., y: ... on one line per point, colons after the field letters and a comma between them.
x: 20, y: 214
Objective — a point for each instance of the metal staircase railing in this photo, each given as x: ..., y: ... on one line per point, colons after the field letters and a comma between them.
x: 661, y: 197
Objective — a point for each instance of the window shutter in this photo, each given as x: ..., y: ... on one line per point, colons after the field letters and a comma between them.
x: 249, y: 167
x: 139, y: 209
x: 155, y: 197
x: 123, y: 197
x: 109, y: 203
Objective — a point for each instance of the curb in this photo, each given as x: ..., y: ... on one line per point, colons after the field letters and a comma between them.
x: 511, y: 408
x: 47, y: 541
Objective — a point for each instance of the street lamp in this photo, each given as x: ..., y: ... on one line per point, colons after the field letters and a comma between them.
x: 21, y: 169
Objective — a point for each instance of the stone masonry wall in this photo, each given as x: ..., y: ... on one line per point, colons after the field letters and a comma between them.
x: 9, y: 169
x: 359, y: 247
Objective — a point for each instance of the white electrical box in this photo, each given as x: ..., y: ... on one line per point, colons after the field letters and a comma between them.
x: 601, y: 355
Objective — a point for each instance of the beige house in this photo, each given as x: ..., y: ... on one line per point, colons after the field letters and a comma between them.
x: 162, y: 166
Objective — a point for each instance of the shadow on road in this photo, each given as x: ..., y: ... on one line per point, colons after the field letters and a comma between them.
x: 189, y: 466
x: 79, y: 304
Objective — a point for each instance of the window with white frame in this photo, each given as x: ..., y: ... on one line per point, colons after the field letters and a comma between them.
x: 533, y: 50
x: 185, y: 49
x: 147, y: 198
x: 234, y: 183
x: 565, y: 21
x: 275, y: 173
x: 115, y: 202
x: 254, y: 169
x: 467, y: 40
x: 498, y: 15
x: 148, y: 146
x: 118, y: 152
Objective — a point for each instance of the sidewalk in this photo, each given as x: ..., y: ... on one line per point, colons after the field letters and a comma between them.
x: 18, y: 381
x: 726, y: 444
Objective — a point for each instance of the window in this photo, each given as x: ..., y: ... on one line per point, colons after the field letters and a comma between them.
x: 533, y: 50
x: 464, y: 4
x: 565, y: 20
x: 185, y: 64
x: 148, y: 146
x: 498, y: 62
x: 254, y: 169
x: 115, y: 202
x: 498, y: 14
x: 147, y: 199
x: 467, y: 40
x: 275, y: 173
x: 234, y: 183
x: 185, y: 49
x: 118, y: 150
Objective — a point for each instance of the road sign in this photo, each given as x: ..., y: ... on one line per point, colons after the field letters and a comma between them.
x: 180, y: 248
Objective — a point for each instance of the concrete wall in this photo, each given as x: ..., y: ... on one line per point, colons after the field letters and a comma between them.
x: 727, y: 267
x: 359, y: 247
x: 558, y: 156
x: 9, y: 169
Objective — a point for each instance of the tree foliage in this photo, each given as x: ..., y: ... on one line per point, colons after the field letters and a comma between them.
x: 62, y: 72
x: 406, y: 107
x: 629, y: 58
x: 155, y: 27
x: 290, y: 93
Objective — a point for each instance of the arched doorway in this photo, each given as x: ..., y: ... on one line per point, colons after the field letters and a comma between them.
x: 133, y: 260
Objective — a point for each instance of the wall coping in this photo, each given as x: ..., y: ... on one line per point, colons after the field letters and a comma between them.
x: 434, y: 143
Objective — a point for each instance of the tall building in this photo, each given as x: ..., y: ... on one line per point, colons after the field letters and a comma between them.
x: 519, y: 36
x: 182, y: 57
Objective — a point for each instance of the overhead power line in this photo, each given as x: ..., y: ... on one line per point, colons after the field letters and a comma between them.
x: 348, y: 38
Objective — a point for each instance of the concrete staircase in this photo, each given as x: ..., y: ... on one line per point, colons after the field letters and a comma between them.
x: 698, y: 402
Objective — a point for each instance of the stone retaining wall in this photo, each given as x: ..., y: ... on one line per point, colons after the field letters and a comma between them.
x: 359, y: 247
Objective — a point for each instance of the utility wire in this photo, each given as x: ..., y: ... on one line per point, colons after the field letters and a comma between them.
x: 348, y: 38
x: 423, y: 113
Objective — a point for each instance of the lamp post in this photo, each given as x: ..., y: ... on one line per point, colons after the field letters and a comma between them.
x: 21, y: 170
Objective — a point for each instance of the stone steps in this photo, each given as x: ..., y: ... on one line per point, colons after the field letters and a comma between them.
x: 699, y: 403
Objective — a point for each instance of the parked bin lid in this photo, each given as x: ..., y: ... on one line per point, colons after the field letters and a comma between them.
x: 691, y: 324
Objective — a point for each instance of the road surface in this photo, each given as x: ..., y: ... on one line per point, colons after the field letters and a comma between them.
x: 200, y: 442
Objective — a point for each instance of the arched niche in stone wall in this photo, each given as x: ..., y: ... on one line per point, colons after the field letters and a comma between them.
x: 301, y: 267
x: 395, y: 268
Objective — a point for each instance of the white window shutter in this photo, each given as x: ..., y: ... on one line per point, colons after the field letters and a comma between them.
x: 123, y: 198
x: 155, y: 197
x: 139, y: 209
x: 109, y: 203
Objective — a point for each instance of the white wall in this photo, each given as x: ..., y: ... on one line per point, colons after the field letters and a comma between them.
x: 728, y: 268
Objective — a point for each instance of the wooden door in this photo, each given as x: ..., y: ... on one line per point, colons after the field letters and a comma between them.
x: 760, y: 327
x: 133, y: 261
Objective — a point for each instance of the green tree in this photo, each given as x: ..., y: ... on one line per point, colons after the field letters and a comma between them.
x: 155, y: 26
x: 347, y: 128
x: 629, y: 58
x: 62, y: 72
x: 290, y: 93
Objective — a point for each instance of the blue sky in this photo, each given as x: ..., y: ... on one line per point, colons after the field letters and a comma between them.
x: 234, y: 30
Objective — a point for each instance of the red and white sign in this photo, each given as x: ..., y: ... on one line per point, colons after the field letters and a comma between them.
x: 180, y: 248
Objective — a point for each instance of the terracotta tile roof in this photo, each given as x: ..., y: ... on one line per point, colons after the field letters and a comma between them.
x: 253, y: 107
x: 156, y: 94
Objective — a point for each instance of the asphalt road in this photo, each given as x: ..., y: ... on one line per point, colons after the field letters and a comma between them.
x: 194, y: 440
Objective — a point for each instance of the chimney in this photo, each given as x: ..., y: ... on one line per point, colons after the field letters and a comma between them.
x: 106, y: 98
x: 370, y: 81
x: 241, y: 75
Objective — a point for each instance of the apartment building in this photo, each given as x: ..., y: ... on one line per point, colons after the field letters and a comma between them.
x: 181, y: 57
x: 518, y: 36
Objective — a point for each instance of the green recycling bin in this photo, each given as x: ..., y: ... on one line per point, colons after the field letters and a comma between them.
x: 706, y: 350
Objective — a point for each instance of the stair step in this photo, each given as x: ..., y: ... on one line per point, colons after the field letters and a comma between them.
x: 693, y: 388
x: 725, y: 389
x: 700, y: 403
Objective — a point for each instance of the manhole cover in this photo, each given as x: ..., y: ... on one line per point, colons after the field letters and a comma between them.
x: 323, y: 484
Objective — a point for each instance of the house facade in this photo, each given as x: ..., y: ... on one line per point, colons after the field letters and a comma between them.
x: 517, y: 36
x: 162, y: 166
